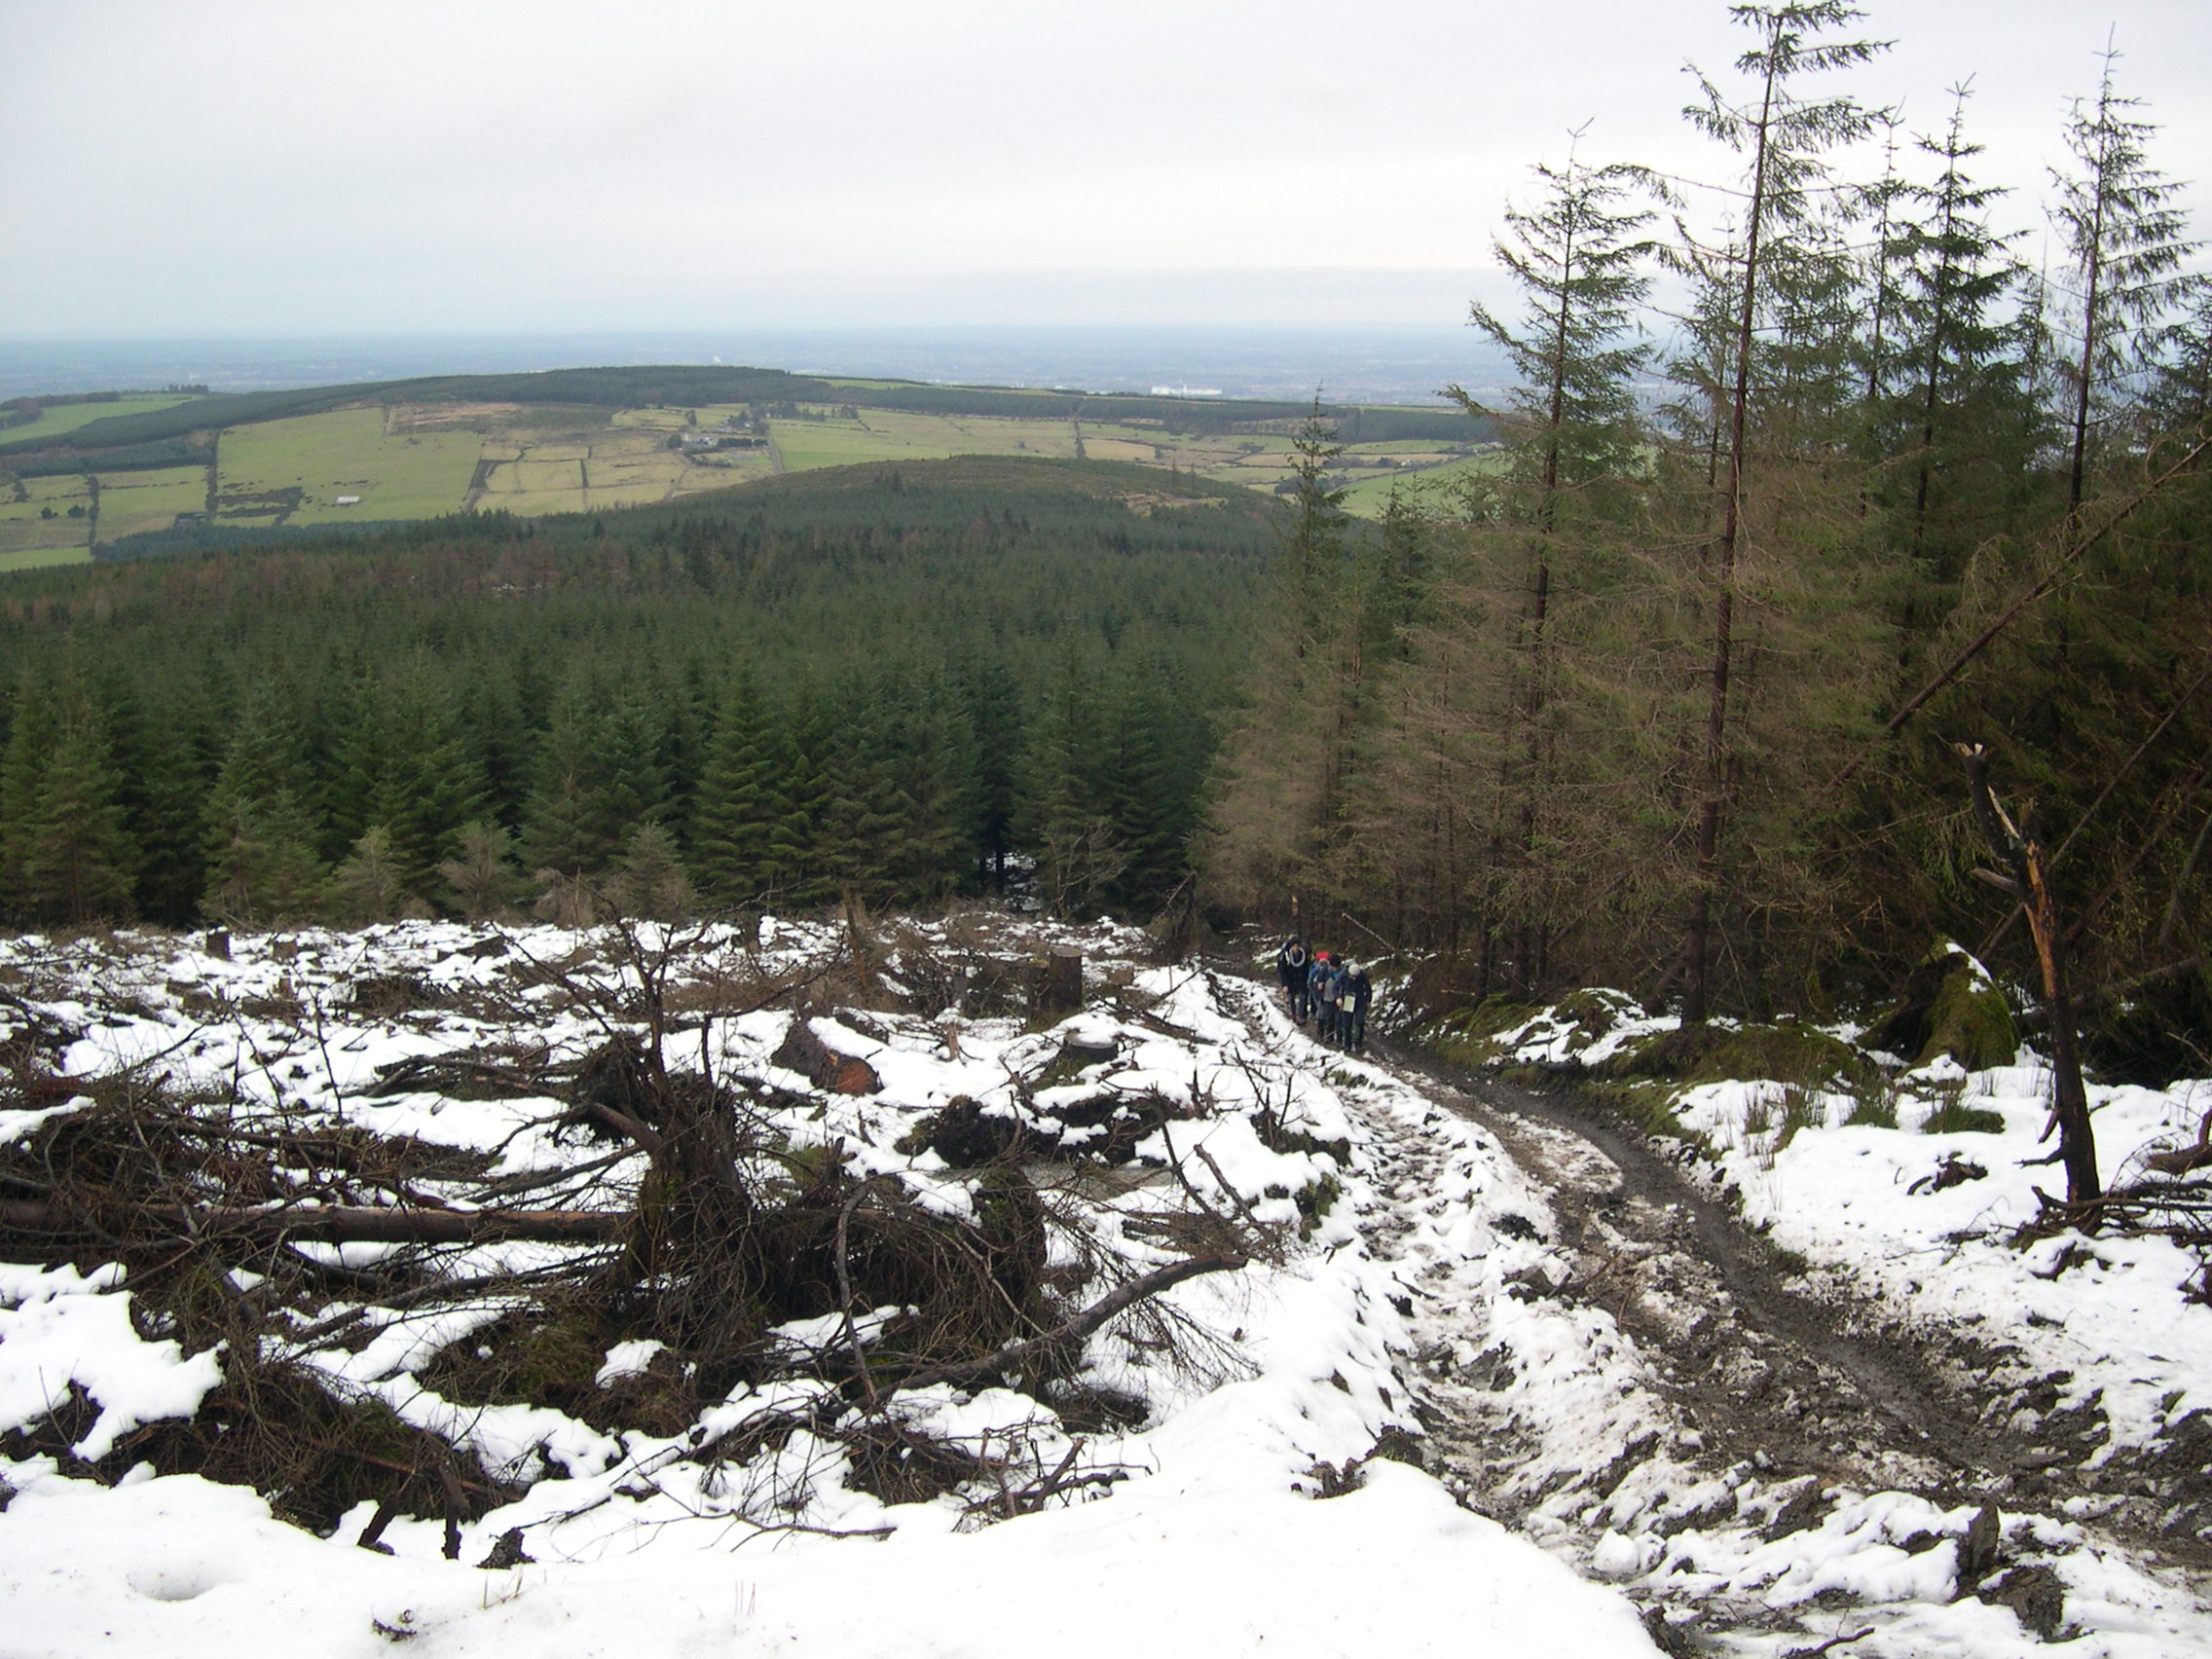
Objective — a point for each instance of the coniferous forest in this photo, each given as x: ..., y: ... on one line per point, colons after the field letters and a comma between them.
x: 1818, y: 481
x: 1821, y: 478
x: 872, y: 682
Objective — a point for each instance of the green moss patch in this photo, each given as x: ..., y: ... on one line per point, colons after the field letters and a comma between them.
x: 1790, y: 1053
x: 1956, y: 1117
x: 1949, y: 1005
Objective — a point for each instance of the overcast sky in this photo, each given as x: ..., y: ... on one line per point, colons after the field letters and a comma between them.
x: 243, y: 168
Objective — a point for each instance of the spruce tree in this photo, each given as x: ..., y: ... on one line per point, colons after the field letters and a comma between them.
x: 1782, y: 136
x: 1578, y: 260
x: 368, y: 885
x: 740, y: 798
x: 651, y: 881
x: 34, y: 727
x: 2126, y: 242
x: 481, y: 876
x: 262, y: 862
x: 1960, y: 407
x: 76, y: 857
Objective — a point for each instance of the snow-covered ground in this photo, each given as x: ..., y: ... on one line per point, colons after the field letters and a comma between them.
x: 2127, y: 1316
x: 1219, y: 1541
x: 2095, y: 1355
x: 1419, y: 1297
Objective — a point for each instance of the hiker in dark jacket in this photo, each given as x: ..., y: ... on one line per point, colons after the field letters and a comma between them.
x: 1328, y: 986
x: 1292, y: 964
x: 1358, y: 989
x: 1316, y: 984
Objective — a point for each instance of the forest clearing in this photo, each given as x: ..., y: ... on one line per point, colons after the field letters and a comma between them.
x: 1384, y: 1351
x: 738, y: 1010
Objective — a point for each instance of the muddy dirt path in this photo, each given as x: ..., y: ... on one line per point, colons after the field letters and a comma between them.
x: 1776, y: 1391
x: 1808, y: 1380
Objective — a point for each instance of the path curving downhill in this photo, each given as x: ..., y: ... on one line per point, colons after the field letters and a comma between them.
x: 1762, y: 1455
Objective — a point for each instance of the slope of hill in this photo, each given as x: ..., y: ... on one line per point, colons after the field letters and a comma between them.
x: 890, y: 680
x: 586, y: 440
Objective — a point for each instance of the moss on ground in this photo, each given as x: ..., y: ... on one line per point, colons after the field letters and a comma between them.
x: 1798, y: 1055
x: 1948, y: 1006
x: 1971, y: 1021
x: 1955, y: 1117
x: 1470, y: 1036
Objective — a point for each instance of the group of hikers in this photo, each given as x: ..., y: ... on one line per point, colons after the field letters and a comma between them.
x: 1330, y: 991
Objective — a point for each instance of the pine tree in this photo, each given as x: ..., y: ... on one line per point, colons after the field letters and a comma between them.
x: 740, y: 798
x: 34, y: 728
x: 1140, y: 797
x: 1068, y: 828
x: 1782, y: 138
x: 1959, y: 398
x: 1313, y: 546
x: 262, y: 863
x: 1277, y: 801
x: 481, y: 876
x: 597, y: 779
x: 165, y: 759
x: 76, y: 857
x: 1578, y: 260
x: 368, y: 885
x: 992, y: 702
x: 796, y: 870
x: 432, y: 784
x: 2126, y: 242
x: 651, y: 881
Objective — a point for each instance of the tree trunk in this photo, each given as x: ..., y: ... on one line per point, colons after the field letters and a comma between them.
x: 2028, y: 881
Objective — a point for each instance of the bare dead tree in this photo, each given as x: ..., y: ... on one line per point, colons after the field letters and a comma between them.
x: 2026, y: 878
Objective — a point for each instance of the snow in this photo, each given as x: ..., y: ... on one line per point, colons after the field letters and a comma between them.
x: 59, y: 1329
x: 1210, y: 1534
x: 181, y: 1567
x: 1208, y: 1531
x: 2115, y: 1312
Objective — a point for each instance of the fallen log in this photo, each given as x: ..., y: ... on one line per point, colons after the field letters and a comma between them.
x: 1076, y: 1330
x: 317, y: 1224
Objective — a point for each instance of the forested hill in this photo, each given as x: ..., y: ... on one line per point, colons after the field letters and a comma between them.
x: 877, y: 680
x: 128, y: 475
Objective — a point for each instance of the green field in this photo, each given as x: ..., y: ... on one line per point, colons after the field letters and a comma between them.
x: 1255, y: 460
x: 28, y: 537
x: 310, y: 460
x: 1366, y: 496
x: 44, y: 558
x: 60, y: 418
x: 134, y: 501
x: 501, y: 443
x: 625, y: 463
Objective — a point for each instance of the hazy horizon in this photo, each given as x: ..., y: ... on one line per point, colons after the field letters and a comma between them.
x: 1376, y: 363
x: 206, y: 167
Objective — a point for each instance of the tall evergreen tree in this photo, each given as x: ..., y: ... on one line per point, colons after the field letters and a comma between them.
x: 34, y: 727
x: 740, y: 801
x: 1783, y: 138
x: 1578, y: 259
x: 262, y: 863
x: 72, y: 853
x: 2126, y: 242
x: 1960, y: 407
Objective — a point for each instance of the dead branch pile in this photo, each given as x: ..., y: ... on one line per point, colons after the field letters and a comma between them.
x: 696, y: 1226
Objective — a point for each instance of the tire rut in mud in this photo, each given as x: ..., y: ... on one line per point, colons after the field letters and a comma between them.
x: 1820, y: 1381
x: 1816, y: 1380
x: 1775, y: 1389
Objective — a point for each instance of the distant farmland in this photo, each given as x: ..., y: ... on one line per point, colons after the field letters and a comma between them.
x: 89, y: 474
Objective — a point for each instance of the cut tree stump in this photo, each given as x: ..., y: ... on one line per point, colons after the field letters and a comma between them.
x: 1058, y: 988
